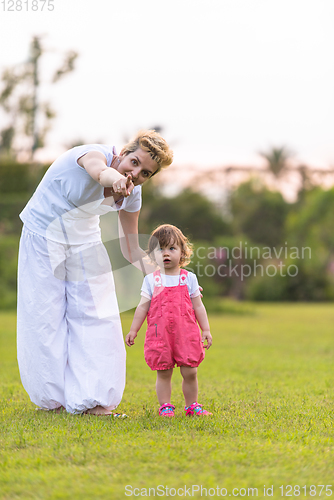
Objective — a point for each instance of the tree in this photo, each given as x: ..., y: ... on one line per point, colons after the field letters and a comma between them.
x: 310, y: 245
x: 28, y: 118
x: 277, y: 159
x: 312, y: 224
x: 194, y: 214
x: 259, y: 213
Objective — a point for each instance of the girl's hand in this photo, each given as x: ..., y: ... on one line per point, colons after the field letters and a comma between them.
x: 201, y: 290
x: 130, y: 338
x: 123, y: 186
x: 206, y: 336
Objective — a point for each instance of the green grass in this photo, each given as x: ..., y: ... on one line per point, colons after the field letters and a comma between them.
x: 268, y: 378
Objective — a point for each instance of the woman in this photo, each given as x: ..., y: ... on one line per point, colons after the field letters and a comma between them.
x: 70, y: 346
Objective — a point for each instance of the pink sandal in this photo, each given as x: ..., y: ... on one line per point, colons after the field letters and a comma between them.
x: 167, y: 410
x: 196, y: 409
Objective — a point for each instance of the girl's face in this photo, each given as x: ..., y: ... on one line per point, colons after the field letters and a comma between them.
x: 138, y: 164
x: 169, y: 257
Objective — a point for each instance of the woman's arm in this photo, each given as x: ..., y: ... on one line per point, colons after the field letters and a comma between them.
x: 95, y: 164
x: 202, y: 318
x: 129, y: 243
x: 138, y: 320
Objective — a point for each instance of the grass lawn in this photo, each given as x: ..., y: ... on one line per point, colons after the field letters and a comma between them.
x: 269, y: 380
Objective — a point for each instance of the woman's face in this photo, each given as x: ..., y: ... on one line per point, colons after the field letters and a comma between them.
x: 138, y: 164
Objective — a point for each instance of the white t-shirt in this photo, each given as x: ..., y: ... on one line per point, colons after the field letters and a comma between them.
x: 67, y: 203
x: 168, y: 280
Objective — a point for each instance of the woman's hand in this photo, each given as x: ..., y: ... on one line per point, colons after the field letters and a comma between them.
x: 130, y: 338
x: 120, y: 186
x: 123, y: 186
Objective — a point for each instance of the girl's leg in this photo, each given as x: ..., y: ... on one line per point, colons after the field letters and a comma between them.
x: 189, y: 384
x: 164, y: 386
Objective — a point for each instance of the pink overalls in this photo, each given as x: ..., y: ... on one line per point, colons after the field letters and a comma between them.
x: 172, y: 336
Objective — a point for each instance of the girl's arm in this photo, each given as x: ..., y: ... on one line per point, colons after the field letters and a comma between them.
x: 95, y: 163
x: 129, y: 243
x: 138, y: 320
x: 202, y: 318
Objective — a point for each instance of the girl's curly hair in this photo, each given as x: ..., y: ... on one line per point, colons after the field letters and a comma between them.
x: 165, y: 235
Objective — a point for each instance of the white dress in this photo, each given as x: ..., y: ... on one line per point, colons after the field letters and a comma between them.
x: 69, y: 337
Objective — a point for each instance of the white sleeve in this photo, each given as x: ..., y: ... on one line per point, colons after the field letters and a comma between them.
x: 193, y: 285
x: 106, y: 150
x: 133, y: 202
x: 147, y: 286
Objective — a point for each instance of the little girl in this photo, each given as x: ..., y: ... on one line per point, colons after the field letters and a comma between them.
x: 172, y: 302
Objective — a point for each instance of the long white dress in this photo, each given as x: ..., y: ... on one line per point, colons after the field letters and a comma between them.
x: 69, y: 338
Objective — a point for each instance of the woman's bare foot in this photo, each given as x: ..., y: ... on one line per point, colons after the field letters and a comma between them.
x: 99, y: 410
x: 60, y: 409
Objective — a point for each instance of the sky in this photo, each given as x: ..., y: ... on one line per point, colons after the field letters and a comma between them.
x: 224, y: 78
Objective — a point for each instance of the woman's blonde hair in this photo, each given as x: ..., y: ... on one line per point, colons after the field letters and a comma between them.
x: 152, y: 142
x: 165, y: 235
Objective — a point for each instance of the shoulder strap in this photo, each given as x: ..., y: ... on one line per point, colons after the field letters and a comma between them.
x: 183, y: 277
x: 157, y: 278
x: 157, y: 293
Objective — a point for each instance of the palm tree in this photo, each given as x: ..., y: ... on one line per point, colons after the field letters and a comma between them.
x: 277, y: 160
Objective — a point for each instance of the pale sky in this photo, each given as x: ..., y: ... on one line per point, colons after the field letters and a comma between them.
x: 225, y: 78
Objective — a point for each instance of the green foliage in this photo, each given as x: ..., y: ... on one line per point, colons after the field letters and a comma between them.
x: 266, y: 219
x: 268, y: 379
x: 6, y: 140
x: 259, y: 213
x: 266, y: 289
x: 312, y: 226
x: 193, y: 213
x: 17, y: 183
x: 311, y: 284
x: 19, y: 178
x: 8, y: 271
x: 313, y: 223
